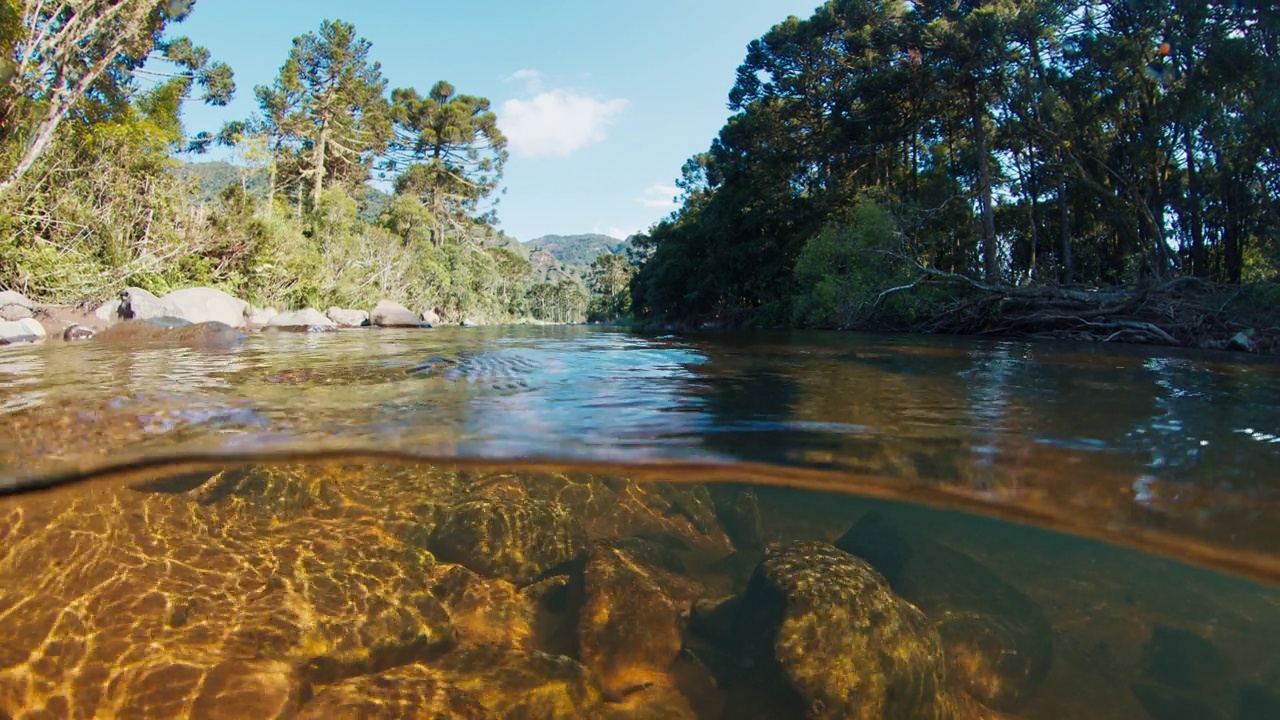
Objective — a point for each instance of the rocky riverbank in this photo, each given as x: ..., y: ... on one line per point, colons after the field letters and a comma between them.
x: 23, y: 320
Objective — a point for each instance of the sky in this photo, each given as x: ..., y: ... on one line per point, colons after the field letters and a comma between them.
x: 602, y: 101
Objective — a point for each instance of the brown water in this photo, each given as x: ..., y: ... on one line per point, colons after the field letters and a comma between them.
x: 568, y: 522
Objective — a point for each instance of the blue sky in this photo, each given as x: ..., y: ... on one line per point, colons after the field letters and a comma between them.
x: 602, y: 100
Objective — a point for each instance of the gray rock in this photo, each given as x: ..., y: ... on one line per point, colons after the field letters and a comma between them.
x: 1240, y: 341
x: 260, y: 316
x: 347, y: 318
x: 109, y: 311
x: 139, y: 304
x: 22, y: 330
x: 468, y: 322
x: 204, y: 304
x: 390, y: 314
x: 305, y: 320
x: 431, y: 317
x: 15, y: 306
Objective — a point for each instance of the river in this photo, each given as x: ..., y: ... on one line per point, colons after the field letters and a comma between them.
x: 583, y: 522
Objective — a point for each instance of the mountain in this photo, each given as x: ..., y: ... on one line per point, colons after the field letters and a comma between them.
x: 569, y: 257
x: 575, y: 249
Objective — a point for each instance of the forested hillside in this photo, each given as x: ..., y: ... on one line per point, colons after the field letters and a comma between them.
x: 890, y: 162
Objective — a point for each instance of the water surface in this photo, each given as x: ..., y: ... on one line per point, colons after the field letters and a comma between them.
x: 456, y: 514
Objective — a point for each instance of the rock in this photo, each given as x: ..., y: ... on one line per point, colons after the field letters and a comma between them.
x: 485, y: 683
x: 75, y: 333
x: 347, y: 318
x: 139, y: 304
x: 259, y: 317
x: 431, y: 317
x: 1192, y: 670
x: 390, y: 314
x: 847, y: 645
x: 468, y: 322
x: 505, y: 534
x: 484, y: 612
x: 207, y: 336
x: 24, y: 330
x: 204, y: 304
x: 305, y: 320
x: 1256, y: 702
x: 109, y: 311
x: 998, y: 642
x: 630, y: 627
x: 1240, y: 341
x: 738, y: 510
x: 15, y: 306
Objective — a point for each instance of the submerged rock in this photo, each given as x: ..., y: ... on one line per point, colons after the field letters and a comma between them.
x: 845, y: 643
x: 998, y: 642
x: 503, y: 533
x: 208, y: 335
x: 486, y: 683
x: 630, y: 626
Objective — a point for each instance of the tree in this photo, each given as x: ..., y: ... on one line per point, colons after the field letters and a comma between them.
x: 342, y: 118
x: 447, y: 150
x: 67, y: 52
x: 609, y: 279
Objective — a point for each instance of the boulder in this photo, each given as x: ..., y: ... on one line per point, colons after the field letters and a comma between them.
x: 503, y: 533
x: 390, y: 314
x: 109, y: 311
x: 997, y: 640
x: 1240, y: 341
x: 845, y: 643
x: 304, y: 320
x: 259, y: 317
x: 431, y: 317
x: 15, y: 306
x: 204, y: 304
x: 347, y: 318
x: 169, y: 330
x: 139, y: 304
x: 468, y: 322
x: 23, y: 330
x: 630, y: 626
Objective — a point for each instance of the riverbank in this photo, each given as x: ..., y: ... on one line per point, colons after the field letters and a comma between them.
x: 1186, y: 312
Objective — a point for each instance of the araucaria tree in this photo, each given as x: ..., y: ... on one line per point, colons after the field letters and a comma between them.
x: 342, y: 119
x: 448, y: 152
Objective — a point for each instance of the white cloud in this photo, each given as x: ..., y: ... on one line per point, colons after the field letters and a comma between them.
x: 659, y: 196
x: 556, y: 122
x: 615, y: 232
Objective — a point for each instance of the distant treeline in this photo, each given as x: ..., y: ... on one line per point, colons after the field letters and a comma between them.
x: 938, y: 146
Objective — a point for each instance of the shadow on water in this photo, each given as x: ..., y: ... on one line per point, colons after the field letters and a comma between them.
x: 574, y: 523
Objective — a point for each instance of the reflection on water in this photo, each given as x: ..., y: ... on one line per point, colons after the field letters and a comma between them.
x: 729, y: 527
x: 362, y: 589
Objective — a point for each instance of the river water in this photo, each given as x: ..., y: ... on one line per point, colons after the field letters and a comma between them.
x: 576, y: 522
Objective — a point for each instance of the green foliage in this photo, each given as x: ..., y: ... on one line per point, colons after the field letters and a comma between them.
x: 842, y: 271
x: 1043, y: 141
x: 610, y: 280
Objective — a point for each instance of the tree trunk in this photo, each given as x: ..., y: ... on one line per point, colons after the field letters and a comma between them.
x: 319, y: 163
x: 1199, y: 263
x: 990, y: 253
x: 1066, y: 273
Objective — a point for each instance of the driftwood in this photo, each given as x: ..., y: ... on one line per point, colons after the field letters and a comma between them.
x: 1183, y: 312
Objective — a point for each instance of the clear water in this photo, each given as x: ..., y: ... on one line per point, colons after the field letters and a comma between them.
x: 571, y: 522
